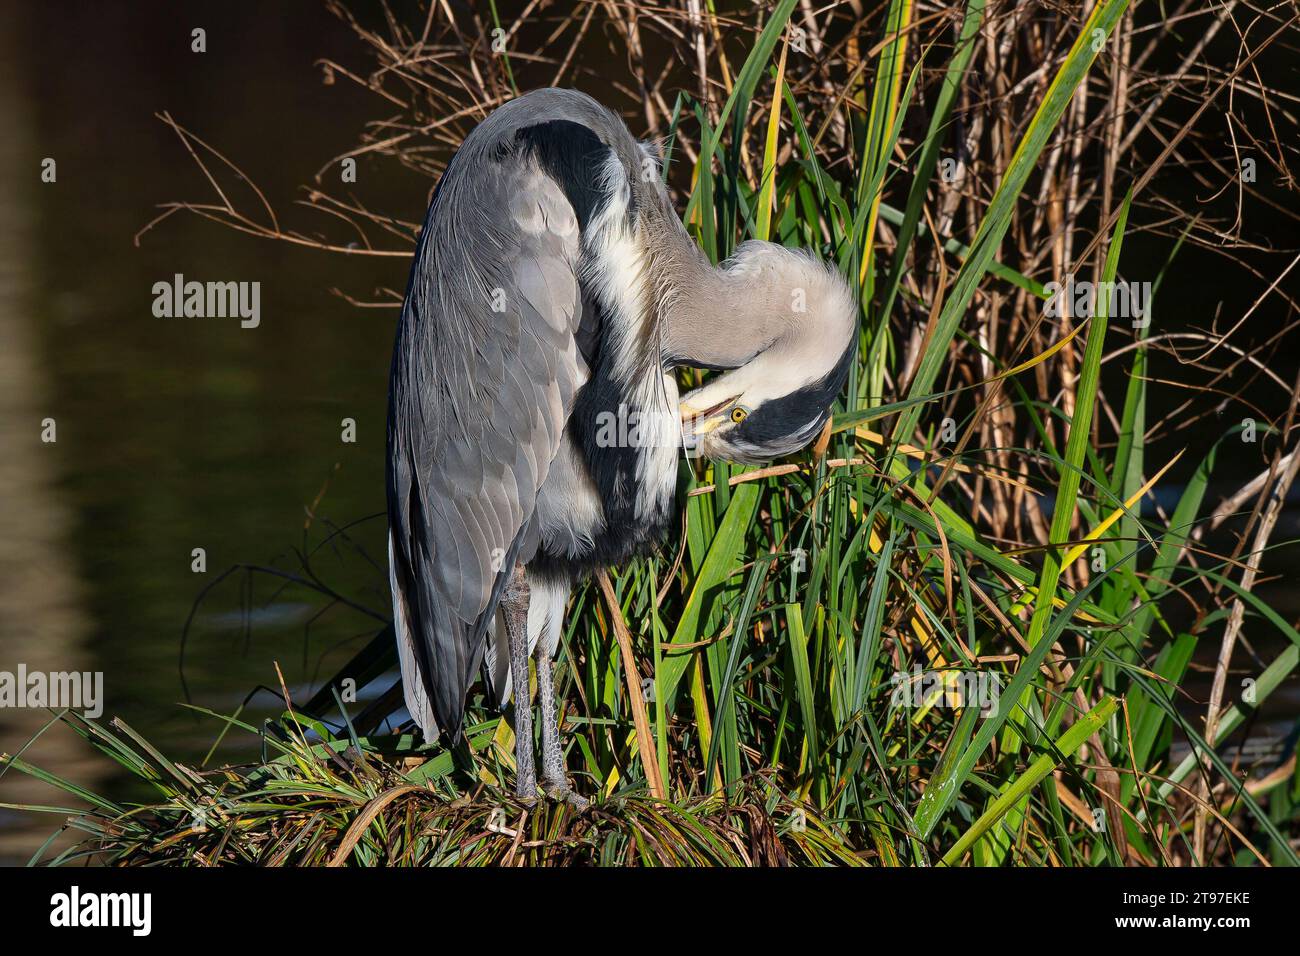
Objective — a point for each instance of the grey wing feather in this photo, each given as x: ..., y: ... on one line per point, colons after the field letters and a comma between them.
x: 483, y: 380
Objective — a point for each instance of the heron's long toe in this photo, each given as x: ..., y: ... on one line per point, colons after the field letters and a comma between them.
x: 560, y: 791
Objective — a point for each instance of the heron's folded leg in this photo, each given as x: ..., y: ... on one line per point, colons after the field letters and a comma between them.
x: 554, y: 778
x: 514, y: 604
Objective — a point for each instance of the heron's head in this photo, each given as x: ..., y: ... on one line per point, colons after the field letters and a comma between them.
x: 792, y: 322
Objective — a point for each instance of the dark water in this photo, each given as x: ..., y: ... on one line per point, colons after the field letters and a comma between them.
x: 176, y: 434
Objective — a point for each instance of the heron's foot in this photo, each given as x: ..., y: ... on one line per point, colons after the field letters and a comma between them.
x: 561, y: 792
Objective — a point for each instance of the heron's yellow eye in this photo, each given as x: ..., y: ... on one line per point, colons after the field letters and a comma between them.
x: 738, y: 414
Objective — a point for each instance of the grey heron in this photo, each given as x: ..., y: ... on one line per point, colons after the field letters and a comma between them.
x: 534, y: 422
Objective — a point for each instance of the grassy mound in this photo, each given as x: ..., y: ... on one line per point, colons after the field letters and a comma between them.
x: 376, y: 804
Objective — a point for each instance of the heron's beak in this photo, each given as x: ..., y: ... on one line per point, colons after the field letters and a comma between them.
x: 697, y: 422
x: 702, y: 426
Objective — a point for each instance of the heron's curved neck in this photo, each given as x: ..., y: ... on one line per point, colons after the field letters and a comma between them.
x: 711, y: 317
x: 722, y: 317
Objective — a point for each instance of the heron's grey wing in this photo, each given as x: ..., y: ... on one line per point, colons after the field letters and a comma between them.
x: 482, y: 384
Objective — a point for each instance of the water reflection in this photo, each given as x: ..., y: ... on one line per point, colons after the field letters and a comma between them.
x: 41, y: 595
x: 176, y: 434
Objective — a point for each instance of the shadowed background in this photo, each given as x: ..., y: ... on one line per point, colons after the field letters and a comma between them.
x: 173, y: 434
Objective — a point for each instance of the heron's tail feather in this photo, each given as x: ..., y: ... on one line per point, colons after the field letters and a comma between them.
x: 496, y: 662
x: 413, y: 681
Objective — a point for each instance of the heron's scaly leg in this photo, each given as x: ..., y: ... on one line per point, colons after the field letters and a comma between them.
x: 554, y: 778
x: 514, y: 603
x: 552, y: 755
